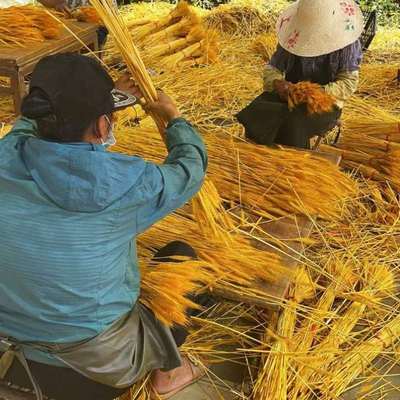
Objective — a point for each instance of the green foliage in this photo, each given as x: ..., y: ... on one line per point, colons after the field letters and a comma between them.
x: 388, y: 10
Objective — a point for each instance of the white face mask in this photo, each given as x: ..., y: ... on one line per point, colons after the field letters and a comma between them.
x: 110, y: 140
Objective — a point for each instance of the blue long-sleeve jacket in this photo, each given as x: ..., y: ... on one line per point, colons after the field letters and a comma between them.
x: 69, y: 216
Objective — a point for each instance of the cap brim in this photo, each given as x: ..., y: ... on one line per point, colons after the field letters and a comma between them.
x: 123, y: 99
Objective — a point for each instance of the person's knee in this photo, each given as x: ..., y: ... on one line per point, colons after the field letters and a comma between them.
x: 177, y: 248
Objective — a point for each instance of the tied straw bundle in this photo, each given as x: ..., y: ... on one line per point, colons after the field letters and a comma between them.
x: 141, y: 30
x: 312, y: 95
x: 374, y: 158
x: 23, y: 25
x: 354, y: 362
x: 377, y: 282
x: 195, y: 34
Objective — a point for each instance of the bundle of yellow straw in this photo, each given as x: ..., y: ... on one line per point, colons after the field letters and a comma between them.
x: 270, y: 182
x: 165, y: 288
x: 272, y: 382
x: 23, y: 25
x: 176, y: 39
x: 311, y: 94
x: 122, y: 39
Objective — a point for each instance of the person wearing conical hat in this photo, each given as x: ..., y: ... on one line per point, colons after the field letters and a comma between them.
x: 319, y: 43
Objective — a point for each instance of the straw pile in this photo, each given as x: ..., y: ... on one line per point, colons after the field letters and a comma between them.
x: 379, y: 83
x: 272, y: 183
x: 370, y: 142
x: 177, y: 39
x: 245, y: 18
x: 326, y: 338
x: 265, y: 45
x: 24, y: 25
x: 339, y: 332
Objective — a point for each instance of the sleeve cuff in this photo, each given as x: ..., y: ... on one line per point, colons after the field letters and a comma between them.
x: 177, y: 121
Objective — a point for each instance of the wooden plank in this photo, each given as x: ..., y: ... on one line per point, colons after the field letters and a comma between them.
x: 20, y: 56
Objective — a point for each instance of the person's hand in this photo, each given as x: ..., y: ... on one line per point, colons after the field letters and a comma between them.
x: 58, y: 5
x: 126, y: 84
x: 282, y: 88
x: 164, y: 107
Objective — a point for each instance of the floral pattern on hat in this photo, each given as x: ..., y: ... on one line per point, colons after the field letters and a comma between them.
x: 292, y: 40
x: 348, y: 8
x: 283, y: 21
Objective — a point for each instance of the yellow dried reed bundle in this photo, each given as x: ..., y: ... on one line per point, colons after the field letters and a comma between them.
x: 218, y: 91
x: 179, y: 29
x: 235, y: 268
x: 378, y: 79
x: 363, y: 118
x: 270, y: 182
x: 272, y: 380
x: 374, y: 158
x: 264, y: 45
x: 211, y: 216
x: 206, y: 47
x: 165, y: 286
x: 311, y: 94
x: 343, y: 279
x: 23, y: 25
x: 196, y: 34
x: 143, y: 30
x: 377, y: 282
x: 116, y: 26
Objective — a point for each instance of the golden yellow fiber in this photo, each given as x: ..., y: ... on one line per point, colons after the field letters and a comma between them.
x: 272, y: 382
x: 116, y: 26
x: 265, y: 45
x: 23, y: 25
x: 165, y: 286
x: 311, y: 94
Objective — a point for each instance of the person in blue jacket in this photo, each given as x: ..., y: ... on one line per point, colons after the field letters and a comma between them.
x: 71, y: 326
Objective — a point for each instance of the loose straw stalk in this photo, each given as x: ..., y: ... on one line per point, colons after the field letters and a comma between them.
x: 352, y: 364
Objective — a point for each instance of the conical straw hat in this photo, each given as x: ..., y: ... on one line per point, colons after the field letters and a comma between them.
x: 311, y: 28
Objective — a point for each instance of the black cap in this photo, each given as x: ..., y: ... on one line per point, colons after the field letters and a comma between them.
x: 72, y: 88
